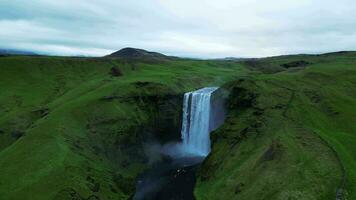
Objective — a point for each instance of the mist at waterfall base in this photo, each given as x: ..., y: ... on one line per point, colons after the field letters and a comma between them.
x: 173, y: 165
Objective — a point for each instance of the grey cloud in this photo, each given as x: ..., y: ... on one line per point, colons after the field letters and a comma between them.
x: 205, y: 28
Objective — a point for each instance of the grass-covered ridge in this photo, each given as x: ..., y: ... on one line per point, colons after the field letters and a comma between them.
x: 76, y: 128
x: 70, y: 129
x: 294, y: 139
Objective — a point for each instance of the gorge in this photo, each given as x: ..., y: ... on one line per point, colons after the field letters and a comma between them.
x: 174, y: 177
x: 85, y: 132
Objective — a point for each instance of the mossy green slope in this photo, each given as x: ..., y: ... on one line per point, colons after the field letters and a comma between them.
x: 70, y: 130
x: 293, y: 140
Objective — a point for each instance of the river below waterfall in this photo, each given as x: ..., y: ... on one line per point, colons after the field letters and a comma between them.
x: 173, y: 178
x: 170, y: 179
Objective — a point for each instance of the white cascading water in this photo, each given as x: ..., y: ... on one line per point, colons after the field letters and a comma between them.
x: 196, y: 126
x: 203, y: 112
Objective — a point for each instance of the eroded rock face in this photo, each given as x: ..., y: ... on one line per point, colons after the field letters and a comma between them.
x: 17, y: 134
x: 164, y: 116
x: 116, y: 72
x: 67, y: 193
x: 126, y: 185
x: 218, y: 108
x: 299, y: 63
x: 241, y: 97
x: 123, y: 140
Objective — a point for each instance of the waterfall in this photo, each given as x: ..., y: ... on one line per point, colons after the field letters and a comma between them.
x: 203, y: 112
x: 197, y: 121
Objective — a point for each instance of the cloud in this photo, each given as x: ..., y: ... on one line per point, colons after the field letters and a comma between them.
x: 205, y: 28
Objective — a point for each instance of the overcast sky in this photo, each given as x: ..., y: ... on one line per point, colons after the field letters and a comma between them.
x: 191, y: 28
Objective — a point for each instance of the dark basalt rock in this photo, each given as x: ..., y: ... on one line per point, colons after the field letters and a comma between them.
x: 258, y: 111
x: 139, y: 84
x: 41, y: 112
x: 112, y: 188
x: 314, y: 96
x: 116, y: 72
x: 299, y: 63
x: 126, y: 185
x: 93, y: 197
x: 241, y: 98
x: 239, y: 187
x: 279, y: 106
x: 17, y: 134
x: 93, y: 186
x: 272, y: 152
x: 67, y: 193
x: 72, y: 194
x: 262, y: 66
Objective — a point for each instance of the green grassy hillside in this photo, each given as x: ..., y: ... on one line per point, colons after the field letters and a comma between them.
x: 69, y: 129
x: 289, y: 135
x: 77, y: 128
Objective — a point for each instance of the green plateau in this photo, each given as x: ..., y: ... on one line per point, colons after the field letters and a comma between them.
x: 77, y: 128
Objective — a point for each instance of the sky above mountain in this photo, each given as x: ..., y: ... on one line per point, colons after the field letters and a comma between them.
x: 204, y: 28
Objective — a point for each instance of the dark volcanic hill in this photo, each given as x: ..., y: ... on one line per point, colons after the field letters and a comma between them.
x: 133, y: 53
x: 15, y: 52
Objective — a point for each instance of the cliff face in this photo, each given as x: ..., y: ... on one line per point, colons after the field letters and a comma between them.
x: 218, y: 108
x: 257, y: 146
x: 126, y: 143
x: 85, y: 128
x: 285, y: 134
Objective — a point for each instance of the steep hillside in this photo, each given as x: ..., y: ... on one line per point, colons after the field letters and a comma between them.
x: 85, y: 128
x: 77, y: 128
x: 290, y: 133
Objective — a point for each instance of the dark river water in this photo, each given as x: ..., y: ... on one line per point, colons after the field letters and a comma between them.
x: 169, y: 180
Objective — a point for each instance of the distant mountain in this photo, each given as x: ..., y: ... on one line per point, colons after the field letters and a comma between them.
x: 16, y: 52
x: 139, y: 54
x: 234, y: 59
